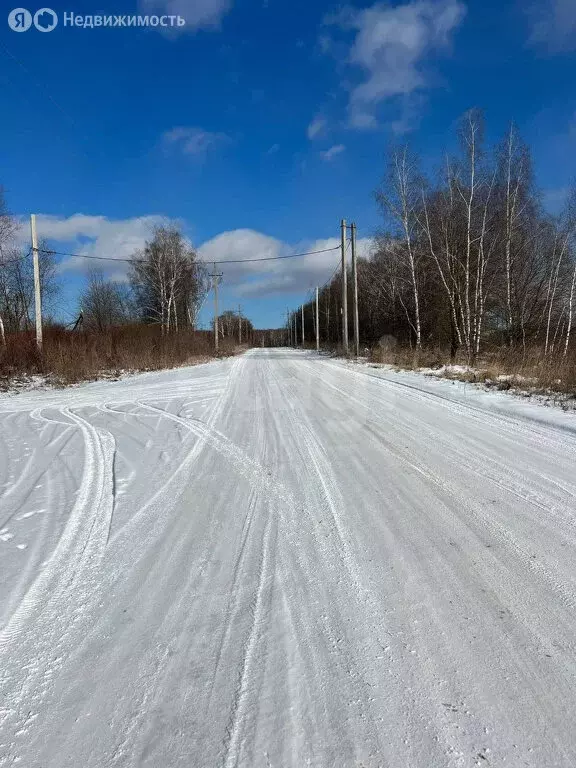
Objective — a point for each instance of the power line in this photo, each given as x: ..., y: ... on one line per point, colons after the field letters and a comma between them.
x: 18, y: 259
x: 274, y: 258
x: 223, y: 261
x: 327, y: 282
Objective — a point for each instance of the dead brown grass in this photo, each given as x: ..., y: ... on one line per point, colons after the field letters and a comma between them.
x: 527, y: 369
x: 409, y: 359
x: 70, y: 357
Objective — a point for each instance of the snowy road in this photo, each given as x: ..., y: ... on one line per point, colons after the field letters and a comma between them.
x: 283, y: 561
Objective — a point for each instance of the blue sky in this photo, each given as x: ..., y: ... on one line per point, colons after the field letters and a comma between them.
x: 263, y: 122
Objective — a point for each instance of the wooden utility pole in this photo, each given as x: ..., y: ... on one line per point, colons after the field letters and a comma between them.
x: 355, y: 289
x: 344, y: 288
x: 215, y: 279
x: 239, y: 324
x: 37, y: 293
x: 317, y: 322
x: 302, y: 311
x: 288, y: 328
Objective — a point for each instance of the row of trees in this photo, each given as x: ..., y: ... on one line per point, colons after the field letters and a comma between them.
x: 235, y: 325
x: 166, y: 284
x: 467, y: 259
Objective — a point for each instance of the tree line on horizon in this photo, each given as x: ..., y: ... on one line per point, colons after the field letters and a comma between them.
x: 144, y: 322
x: 464, y: 261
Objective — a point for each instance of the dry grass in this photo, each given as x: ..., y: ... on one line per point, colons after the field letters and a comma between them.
x: 527, y: 369
x: 70, y: 357
x: 408, y: 359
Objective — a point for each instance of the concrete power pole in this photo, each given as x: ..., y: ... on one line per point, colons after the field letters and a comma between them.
x: 302, y: 310
x: 215, y: 278
x: 37, y: 294
x: 317, y: 322
x: 239, y: 324
x: 355, y: 291
x: 344, y: 288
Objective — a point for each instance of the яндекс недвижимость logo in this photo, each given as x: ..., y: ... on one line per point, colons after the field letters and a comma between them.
x: 45, y: 20
x: 20, y: 20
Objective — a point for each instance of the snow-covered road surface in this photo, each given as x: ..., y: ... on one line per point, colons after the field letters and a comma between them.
x: 283, y: 561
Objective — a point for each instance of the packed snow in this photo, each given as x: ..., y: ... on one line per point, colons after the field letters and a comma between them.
x: 284, y: 560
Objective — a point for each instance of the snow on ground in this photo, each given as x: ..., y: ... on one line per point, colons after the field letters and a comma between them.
x: 285, y: 560
x: 519, y: 386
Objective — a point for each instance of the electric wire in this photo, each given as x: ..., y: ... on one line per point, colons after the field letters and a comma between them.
x: 209, y: 261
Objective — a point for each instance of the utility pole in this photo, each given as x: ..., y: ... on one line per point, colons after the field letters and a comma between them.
x: 302, y: 308
x: 288, y: 328
x: 215, y: 278
x: 344, y: 288
x: 37, y: 294
x: 239, y: 324
x: 317, y: 322
x: 355, y: 290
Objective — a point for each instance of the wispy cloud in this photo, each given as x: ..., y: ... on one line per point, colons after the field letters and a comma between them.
x: 333, y: 152
x: 198, y: 14
x: 393, y: 46
x: 192, y: 141
x: 316, y: 127
x: 553, y: 25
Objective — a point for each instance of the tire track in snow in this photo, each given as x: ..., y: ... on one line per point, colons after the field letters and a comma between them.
x: 427, y: 679
x: 508, y: 479
x: 498, y: 531
x: 244, y: 464
x: 285, y: 512
x: 46, y: 626
x: 525, y: 428
x: 232, y: 599
x: 362, y: 668
x: 240, y: 706
x: 151, y: 518
x: 38, y: 463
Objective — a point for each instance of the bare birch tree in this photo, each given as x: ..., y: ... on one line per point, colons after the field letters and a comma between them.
x: 168, y: 280
x: 399, y: 198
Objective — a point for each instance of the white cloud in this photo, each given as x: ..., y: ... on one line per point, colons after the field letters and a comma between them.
x: 192, y: 141
x: 95, y: 236
x: 316, y: 127
x: 240, y: 244
x: 392, y: 45
x: 198, y: 14
x: 331, y: 153
x: 553, y: 25
x: 273, y: 277
x: 119, y: 239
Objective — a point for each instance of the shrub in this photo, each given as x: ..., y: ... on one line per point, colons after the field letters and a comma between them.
x: 71, y: 356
